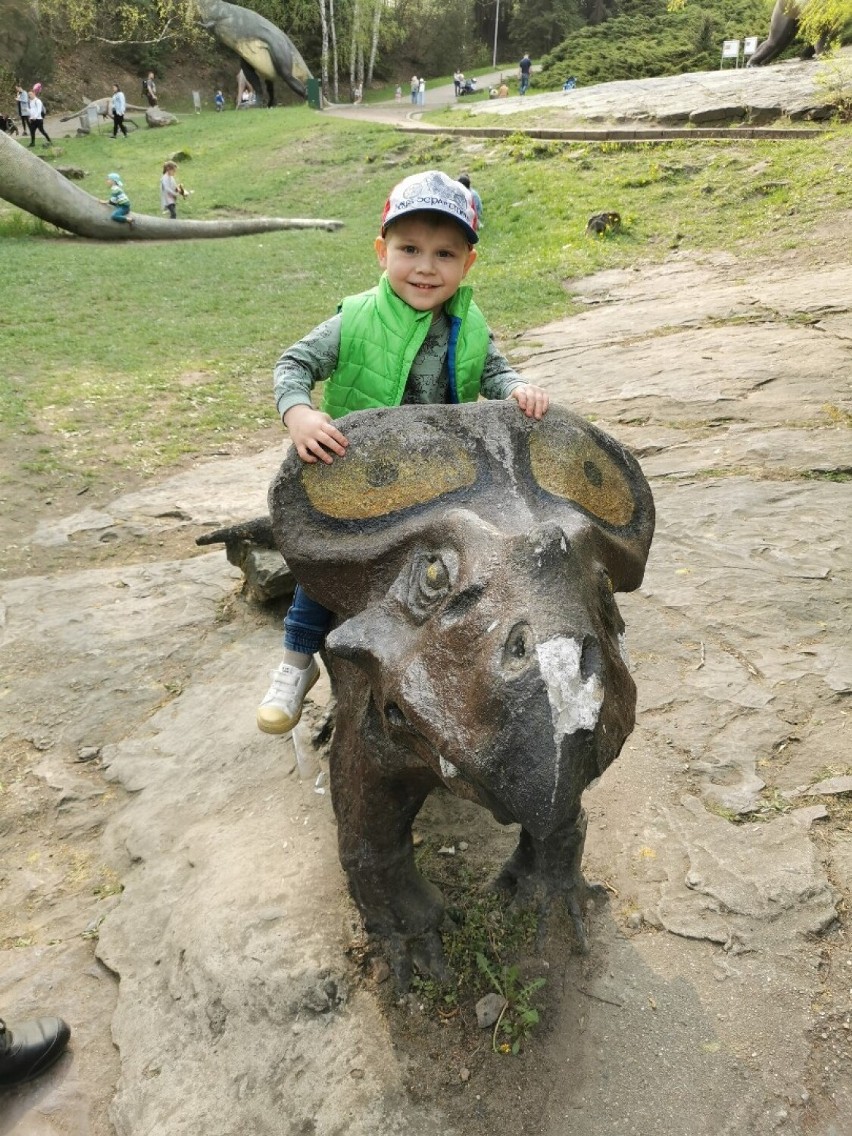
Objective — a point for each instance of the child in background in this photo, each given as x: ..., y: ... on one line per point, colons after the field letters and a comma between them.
x: 119, y: 200
x: 464, y: 178
x: 440, y: 350
x: 219, y: 101
x: 170, y: 190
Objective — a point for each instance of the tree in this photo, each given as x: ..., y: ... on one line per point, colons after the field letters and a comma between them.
x: 148, y: 21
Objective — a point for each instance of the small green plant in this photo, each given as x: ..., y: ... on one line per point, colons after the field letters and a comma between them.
x: 518, y: 1017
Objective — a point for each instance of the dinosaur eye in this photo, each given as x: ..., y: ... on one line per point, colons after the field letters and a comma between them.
x: 435, y: 577
x: 430, y: 581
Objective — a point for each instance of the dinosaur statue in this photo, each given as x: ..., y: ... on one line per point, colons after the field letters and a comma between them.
x: 471, y: 555
x: 266, y: 52
x: 37, y: 188
x: 783, y: 27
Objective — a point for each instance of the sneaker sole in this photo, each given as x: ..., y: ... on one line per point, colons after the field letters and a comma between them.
x: 287, y: 725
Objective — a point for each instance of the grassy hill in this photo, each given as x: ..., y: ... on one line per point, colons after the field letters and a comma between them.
x: 646, y: 39
x: 139, y: 357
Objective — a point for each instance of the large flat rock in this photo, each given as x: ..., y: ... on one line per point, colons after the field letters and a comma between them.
x: 191, y: 907
x: 792, y: 89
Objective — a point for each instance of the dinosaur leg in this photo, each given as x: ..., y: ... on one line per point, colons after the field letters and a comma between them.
x: 540, y: 872
x: 782, y: 31
x: 374, y: 813
x: 255, y: 81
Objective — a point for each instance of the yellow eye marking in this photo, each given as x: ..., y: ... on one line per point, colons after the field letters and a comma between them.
x: 380, y: 476
x: 573, y: 466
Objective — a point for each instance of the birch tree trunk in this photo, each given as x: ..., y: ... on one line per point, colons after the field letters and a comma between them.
x: 334, y: 51
x: 374, y: 40
x: 324, y: 60
x: 353, y: 46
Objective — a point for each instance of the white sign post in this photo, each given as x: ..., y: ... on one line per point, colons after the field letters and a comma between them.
x: 750, y: 46
x: 730, y: 50
x: 196, y: 101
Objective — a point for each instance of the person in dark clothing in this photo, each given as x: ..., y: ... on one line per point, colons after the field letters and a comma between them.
x: 525, y: 70
x: 149, y: 89
x: 29, y: 1048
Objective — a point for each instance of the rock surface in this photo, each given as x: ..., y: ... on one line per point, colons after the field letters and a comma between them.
x: 177, y: 892
x: 793, y: 89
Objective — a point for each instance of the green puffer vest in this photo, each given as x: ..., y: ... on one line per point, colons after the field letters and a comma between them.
x: 379, y: 337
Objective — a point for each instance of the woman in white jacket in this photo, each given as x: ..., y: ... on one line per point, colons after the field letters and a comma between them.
x: 118, y: 107
x: 36, y: 122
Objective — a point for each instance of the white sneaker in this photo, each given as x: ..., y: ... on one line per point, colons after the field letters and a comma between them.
x: 281, y: 709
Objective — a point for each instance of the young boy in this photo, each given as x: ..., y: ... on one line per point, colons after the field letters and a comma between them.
x: 415, y: 338
x: 119, y: 201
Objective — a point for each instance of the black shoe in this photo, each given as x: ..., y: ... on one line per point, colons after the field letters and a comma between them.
x: 30, y: 1048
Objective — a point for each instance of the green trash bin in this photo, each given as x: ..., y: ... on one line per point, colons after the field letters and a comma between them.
x: 314, y: 97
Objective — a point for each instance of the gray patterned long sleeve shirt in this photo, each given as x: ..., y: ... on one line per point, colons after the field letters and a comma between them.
x: 314, y: 359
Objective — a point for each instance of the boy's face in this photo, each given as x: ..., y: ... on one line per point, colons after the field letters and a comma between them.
x: 425, y: 260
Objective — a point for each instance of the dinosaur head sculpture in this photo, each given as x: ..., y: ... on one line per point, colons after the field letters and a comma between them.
x: 471, y: 555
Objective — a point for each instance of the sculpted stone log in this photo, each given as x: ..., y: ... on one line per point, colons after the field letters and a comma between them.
x: 37, y: 188
x: 471, y: 556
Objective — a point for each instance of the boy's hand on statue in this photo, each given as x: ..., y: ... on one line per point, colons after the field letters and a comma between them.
x: 314, y: 434
x: 534, y: 401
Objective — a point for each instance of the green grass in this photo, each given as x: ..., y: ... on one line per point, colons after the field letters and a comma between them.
x: 141, y: 355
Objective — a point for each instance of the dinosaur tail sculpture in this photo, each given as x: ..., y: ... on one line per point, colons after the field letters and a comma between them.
x: 35, y: 187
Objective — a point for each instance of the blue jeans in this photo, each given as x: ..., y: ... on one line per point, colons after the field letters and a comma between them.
x: 306, y: 624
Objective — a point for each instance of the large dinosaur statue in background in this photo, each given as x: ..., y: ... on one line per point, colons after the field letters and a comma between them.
x: 266, y: 52
x: 782, y: 31
x: 37, y: 188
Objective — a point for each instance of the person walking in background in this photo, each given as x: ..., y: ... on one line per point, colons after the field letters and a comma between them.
x: 421, y: 92
x: 415, y: 87
x: 170, y: 190
x: 23, y: 101
x: 219, y: 101
x: 119, y: 201
x: 464, y: 178
x: 525, y: 67
x: 29, y: 1048
x: 36, y: 119
x: 118, y: 105
x: 149, y: 89
x: 458, y: 79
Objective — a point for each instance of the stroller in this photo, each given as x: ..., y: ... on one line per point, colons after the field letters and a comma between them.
x: 8, y: 125
x: 468, y: 87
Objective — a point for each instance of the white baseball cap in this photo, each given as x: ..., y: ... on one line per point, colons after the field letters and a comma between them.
x: 434, y: 192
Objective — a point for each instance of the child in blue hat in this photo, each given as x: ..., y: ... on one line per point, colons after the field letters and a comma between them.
x: 119, y: 200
